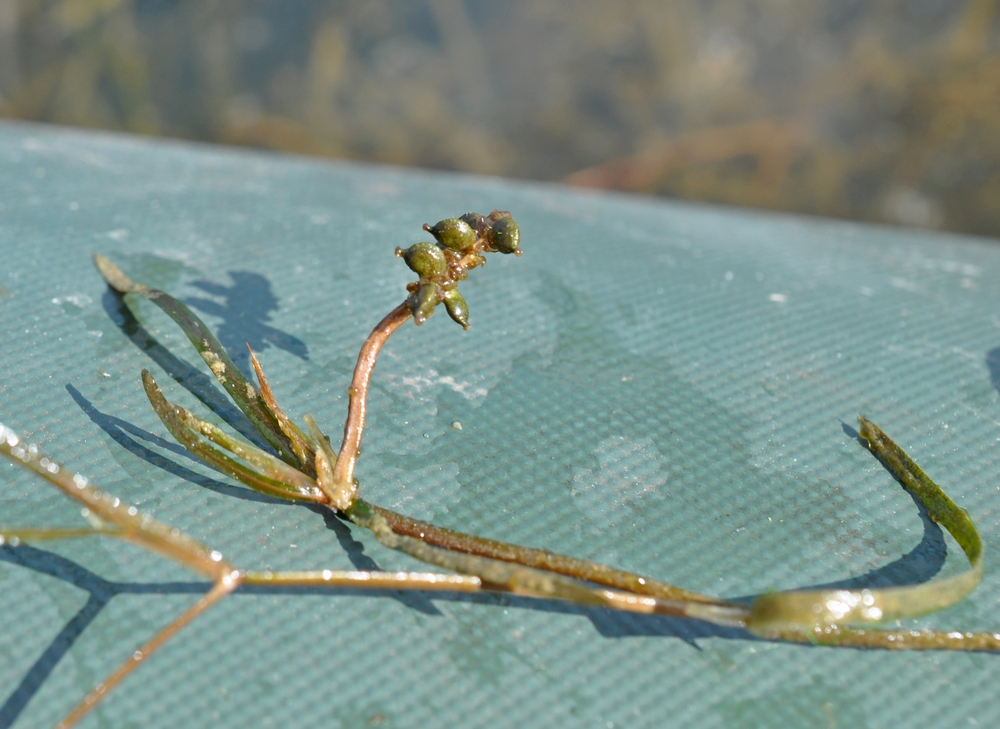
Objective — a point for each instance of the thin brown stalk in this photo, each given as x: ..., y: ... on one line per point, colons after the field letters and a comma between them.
x: 354, y: 426
x: 219, y: 590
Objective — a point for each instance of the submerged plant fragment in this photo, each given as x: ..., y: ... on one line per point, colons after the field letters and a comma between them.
x: 305, y: 467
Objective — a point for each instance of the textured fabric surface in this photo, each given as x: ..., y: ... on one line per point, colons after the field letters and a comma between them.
x: 668, y: 388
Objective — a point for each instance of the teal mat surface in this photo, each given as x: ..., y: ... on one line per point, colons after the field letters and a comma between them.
x: 666, y: 387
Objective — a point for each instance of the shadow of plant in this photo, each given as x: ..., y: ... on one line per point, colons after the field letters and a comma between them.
x: 245, y: 311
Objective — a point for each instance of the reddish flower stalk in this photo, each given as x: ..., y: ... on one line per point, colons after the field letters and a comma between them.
x: 354, y: 426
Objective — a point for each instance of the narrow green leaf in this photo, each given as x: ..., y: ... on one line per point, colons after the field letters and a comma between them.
x: 244, y: 393
x: 819, y: 611
x: 284, y: 484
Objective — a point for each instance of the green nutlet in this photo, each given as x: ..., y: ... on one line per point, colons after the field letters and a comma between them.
x: 423, y: 302
x: 505, y: 236
x: 458, y: 310
x: 453, y: 233
x: 475, y: 220
x: 425, y: 259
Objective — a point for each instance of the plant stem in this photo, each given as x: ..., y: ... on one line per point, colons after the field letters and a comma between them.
x: 537, y: 558
x: 354, y: 426
x: 457, y: 541
x: 219, y: 590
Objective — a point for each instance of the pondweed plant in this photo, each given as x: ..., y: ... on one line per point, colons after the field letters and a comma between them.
x: 304, y: 466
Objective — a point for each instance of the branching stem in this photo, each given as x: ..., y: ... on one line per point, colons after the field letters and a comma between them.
x: 305, y: 468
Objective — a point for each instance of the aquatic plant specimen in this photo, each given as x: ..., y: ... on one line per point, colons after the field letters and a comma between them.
x: 302, y: 465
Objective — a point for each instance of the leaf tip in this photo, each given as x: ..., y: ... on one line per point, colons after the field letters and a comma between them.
x: 114, y: 276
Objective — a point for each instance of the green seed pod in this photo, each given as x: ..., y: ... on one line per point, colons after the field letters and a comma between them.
x: 453, y: 233
x: 424, y: 301
x: 458, y: 310
x: 475, y: 221
x: 425, y: 259
x: 505, y: 236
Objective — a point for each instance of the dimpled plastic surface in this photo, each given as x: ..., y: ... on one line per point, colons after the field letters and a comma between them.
x: 665, y: 387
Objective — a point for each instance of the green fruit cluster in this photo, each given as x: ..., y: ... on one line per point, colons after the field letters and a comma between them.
x: 459, y: 246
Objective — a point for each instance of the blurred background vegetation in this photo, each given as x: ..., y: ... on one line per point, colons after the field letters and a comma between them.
x: 886, y: 111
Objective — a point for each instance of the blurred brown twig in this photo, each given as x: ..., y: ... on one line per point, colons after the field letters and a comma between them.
x: 887, y: 112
